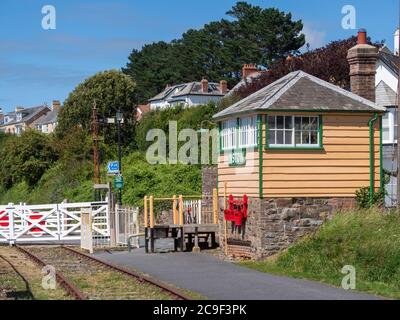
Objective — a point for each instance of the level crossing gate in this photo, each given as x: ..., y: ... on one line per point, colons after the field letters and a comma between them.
x: 51, y: 222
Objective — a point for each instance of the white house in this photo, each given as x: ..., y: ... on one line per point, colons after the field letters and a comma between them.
x: 386, y: 87
x: 189, y: 94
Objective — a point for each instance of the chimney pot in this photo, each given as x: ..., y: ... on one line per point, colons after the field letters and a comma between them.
x: 204, y: 85
x: 249, y: 69
x: 362, y: 36
x: 55, y: 105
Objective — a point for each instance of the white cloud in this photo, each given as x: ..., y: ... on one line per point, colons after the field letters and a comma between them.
x: 314, y: 37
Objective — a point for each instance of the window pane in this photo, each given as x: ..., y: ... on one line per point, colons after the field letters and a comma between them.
x: 288, y: 137
x: 271, y: 122
x: 298, y: 137
x: 385, y: 133
x: 279, y: 137
x: 314, y: 123
x: 272, y: 139
x: 297, y: 121
x: 279, y: 122
x: 305, y: 137
x: 314, y: 137
x: 305, y: 123
x: 288, y: 123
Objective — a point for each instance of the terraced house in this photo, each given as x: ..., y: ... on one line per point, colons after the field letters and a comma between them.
x: 22, y: 118
x: 300, y: 148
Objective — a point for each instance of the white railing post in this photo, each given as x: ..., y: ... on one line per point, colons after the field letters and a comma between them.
x: 58, y: 223
x: 11, y: 209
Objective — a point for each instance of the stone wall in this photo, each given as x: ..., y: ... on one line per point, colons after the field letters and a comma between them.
x: 209, y: 183
x: 274, y: 224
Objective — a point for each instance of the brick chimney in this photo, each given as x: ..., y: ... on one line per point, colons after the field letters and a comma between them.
x: 362, y: 59
x: 223, y: 87
x: 204, y: 85
x: 1, y: 115
x: 248, y: 69
x: 396, y: 42
x: 56, y: 105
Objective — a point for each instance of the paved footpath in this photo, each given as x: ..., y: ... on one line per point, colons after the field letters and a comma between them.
x: 220, y: 280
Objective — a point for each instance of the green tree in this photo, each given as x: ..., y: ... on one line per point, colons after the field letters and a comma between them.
x: 26, y: 158
x: 218, y: 50
x: 109, y: 91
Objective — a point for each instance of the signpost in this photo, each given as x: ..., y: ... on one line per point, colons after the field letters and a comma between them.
x: 113, y: 168
x: 118, y: 182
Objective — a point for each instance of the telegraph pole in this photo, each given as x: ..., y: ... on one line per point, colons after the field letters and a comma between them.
x: 95, y: 137
x: 119, y: 118
x: 398, y: 124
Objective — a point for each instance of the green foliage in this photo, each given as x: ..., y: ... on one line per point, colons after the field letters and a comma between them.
x: 142, y: 179
x: 26, y: 158
x: 364, y: 200
x: 109, y: 91
x: 218, y: 50
x: 366, y: 239
x: 188, y: 118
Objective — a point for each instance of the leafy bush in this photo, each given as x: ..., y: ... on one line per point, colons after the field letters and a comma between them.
x: 364, y: 200
x: 26, y: 158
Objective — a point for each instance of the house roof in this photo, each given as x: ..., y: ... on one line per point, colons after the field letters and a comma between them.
x: 184, y: 89
x: 50, y: 117
x: 390, y: 59
x: 28, y: 114
x: 300, y: 91
x: 248, y: 80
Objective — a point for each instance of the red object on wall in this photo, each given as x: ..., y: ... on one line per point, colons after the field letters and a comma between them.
x: 237, y: 210
x: 4, y: 220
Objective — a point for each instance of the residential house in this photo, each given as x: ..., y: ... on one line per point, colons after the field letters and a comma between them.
x: 48, y: 122
x: 141, y: 110
x: 250, y: 72
x: 22, y: 118
x: 386, y: 84
x: 189, y: 94
x: 1, y: 116
x: 299, y: 149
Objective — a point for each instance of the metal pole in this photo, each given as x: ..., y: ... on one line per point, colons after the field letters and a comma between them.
x: 119, y: 158
x: 398, y: 128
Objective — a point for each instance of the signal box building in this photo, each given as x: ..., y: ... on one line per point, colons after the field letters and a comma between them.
x: 300, y: 148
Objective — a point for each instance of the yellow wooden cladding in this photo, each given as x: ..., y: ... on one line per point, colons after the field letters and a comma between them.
x: 341, y: 168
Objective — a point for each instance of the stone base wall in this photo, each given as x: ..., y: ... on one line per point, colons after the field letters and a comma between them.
x: 274, y: 224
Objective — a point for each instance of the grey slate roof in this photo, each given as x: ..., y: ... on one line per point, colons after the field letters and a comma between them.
x: 302, y: 92
x: 28, y: 114
x: 184, y: 89
x: 50, y: 117
x: 390, y: 59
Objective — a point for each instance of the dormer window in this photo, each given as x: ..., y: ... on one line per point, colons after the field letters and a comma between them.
x: 19, y: 116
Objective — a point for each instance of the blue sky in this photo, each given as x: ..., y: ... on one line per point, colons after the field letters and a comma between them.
x: 39, y: 65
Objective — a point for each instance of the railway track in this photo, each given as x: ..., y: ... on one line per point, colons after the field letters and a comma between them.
x: 88, y: 278
x: 13, y: 284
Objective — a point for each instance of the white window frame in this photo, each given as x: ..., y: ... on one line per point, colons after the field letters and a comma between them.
x: 229, y: 134
x: 391, y: 116
x: 239, y: 133
x: 293, y: 131
x: 248, y: 132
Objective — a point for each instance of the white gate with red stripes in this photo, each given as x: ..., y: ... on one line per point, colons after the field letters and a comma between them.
x: 51, y: 222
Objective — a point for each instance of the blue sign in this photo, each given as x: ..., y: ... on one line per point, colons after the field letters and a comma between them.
x: 113, y: 167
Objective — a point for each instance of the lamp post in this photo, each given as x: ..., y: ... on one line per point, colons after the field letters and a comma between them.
x: 119, y: 118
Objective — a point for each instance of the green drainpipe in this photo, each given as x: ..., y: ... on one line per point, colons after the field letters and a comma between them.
x: 371, y: 157
x: 260, y: 156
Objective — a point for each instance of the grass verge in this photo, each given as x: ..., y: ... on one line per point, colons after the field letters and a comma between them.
x: 368, y: 240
